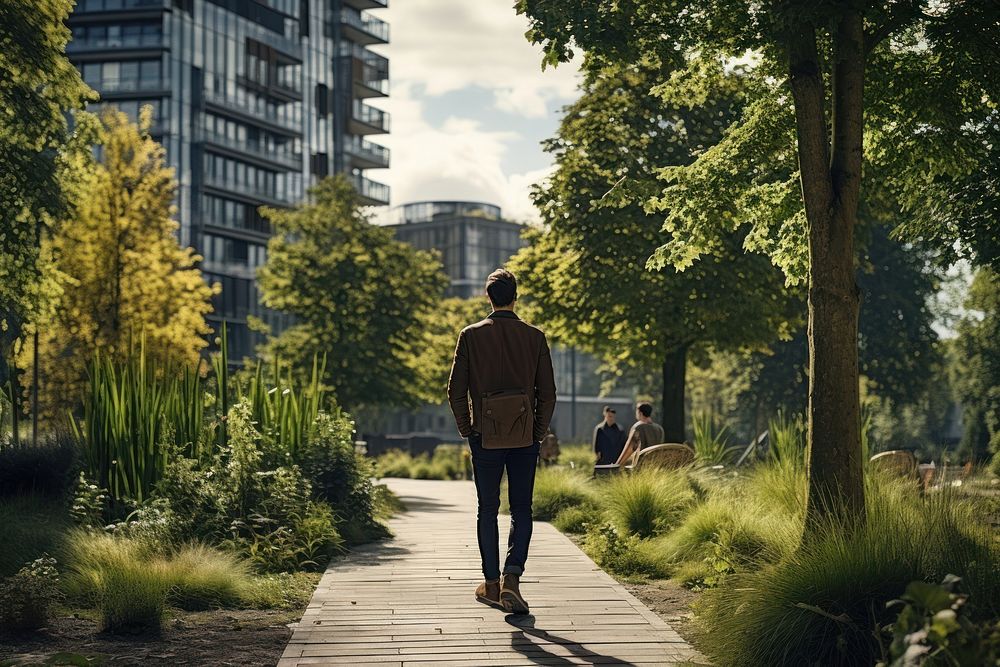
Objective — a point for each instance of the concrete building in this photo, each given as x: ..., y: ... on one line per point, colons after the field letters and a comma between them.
x: 254, y: 101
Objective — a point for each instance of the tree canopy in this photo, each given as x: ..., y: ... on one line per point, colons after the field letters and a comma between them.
x: 118, y: 268
x: 903, y: 92
x: 606, y: 152
x: 38, y: 87
x: 357, y: 295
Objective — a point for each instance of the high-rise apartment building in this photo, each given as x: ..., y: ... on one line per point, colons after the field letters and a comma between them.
x: 254, y: 101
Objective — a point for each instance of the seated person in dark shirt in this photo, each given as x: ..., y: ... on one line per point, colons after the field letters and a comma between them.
x: 609, y: 438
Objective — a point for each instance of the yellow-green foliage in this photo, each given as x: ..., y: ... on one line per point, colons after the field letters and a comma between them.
x: 448, y: 462
x: 119, y: 267
x: 579, y: 456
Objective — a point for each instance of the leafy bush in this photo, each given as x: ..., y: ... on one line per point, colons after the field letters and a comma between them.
x: 26, y: 597
x: 647, y: 503
x: 933, y: 629
x: 48, y: 469
x: 557, y: 489
x: 448, y: 462
x: 576, y: 519
x: 394, y: 463
x: 825, y: 602
x: 88, y: 505
x: 625, y: 555
x: 285, y: 529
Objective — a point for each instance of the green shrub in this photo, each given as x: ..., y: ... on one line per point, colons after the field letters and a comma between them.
x: 89, y: 504
x: 206, y: 578
x: 625, y: 555
x: 933, y: 629
x: 576, y: 519
x: 557, y: 489
x: 787, y: 439
x: 49, y: 468
x: 826, y: 602
x: 647, y: 503
x: 26, y: 597
x: 394, y: 463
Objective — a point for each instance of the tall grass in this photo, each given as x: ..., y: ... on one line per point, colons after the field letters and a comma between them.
x: 647, y: 503
x: 825, y: 602
x: 557, y: 489
x: 131, y: 582
x: 134, y: 408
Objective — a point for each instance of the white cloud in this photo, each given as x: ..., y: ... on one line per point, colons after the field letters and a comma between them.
x: 448, y: 45
x: 458, y: 159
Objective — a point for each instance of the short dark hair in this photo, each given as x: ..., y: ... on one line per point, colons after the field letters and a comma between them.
x: 501, y: 287
x: 645, y: 409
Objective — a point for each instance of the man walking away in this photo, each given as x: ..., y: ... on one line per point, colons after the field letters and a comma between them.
x: 609, y: 438
x: 502, y: 393
x: 645, y: 433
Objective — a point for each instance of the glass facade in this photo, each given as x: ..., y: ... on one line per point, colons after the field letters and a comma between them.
x: 254, y: 101
x: 472, y: 237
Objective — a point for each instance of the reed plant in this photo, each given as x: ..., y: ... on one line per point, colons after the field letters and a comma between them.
x: 711, y: 441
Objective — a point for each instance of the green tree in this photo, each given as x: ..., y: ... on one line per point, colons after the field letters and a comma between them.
x: 38, y: 86
x: 437, y: 332
x: 978, y: 381
x: 118, y: 266
x: 357, y: 295
x: 585, y: 272
x: 907, y: 89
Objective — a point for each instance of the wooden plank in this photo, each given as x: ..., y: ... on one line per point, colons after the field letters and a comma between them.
x: 408, y: 602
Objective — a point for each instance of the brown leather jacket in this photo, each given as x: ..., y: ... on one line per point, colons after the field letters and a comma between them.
x: 488, y: 360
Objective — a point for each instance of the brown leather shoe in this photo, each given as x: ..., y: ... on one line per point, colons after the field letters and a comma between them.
x: 488, y: 592
x: 510, y: 595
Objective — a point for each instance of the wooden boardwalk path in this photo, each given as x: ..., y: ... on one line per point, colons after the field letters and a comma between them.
x: 408, y: 602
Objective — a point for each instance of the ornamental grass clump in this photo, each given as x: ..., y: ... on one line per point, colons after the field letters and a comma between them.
x: 206, y: 578
x: 647, y: 503
x: 825, y: 603
x: 557, y: 489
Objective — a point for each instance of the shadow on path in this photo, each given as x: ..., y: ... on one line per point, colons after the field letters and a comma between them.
x: 539, y: 655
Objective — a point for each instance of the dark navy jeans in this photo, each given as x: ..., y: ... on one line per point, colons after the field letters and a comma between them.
x: 488, y: 466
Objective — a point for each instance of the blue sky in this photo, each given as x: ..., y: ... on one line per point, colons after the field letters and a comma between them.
x: 469, y: 104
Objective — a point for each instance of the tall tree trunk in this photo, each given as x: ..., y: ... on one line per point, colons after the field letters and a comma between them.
x: 674, y: 379
x: 830, y: 179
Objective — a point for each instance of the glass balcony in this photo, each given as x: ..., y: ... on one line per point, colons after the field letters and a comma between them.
x: 372, y: 192
x: 368, y: 120
x: 275, y: 155
x: 86, y: 44
x: 117, y: 5
x: 367, y: 4
x: 363, y: 29
x: 291, y: 120
x: 366, y: 154
x: 128, y: 85
x: 267, y: 194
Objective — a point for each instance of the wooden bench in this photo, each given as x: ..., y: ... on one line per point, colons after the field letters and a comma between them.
x: 666, y: 456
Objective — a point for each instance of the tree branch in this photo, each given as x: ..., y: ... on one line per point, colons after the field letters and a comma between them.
x: 896, y: 21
